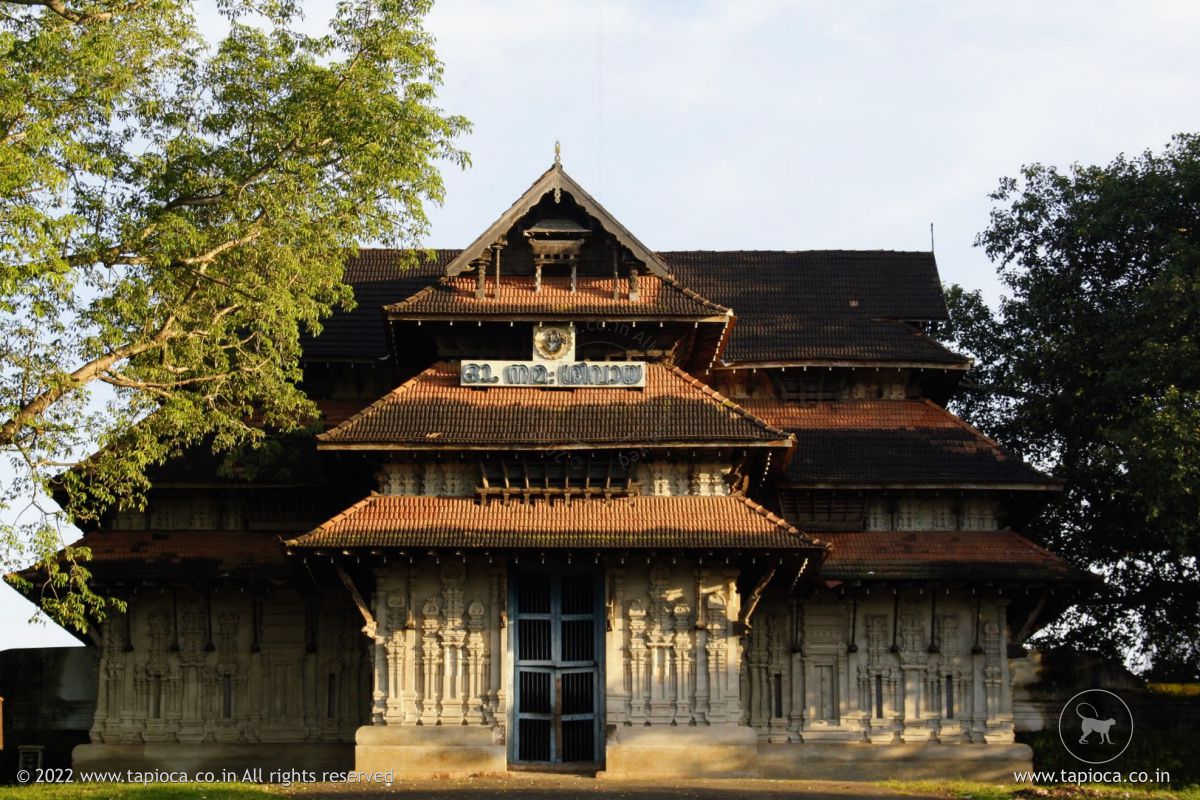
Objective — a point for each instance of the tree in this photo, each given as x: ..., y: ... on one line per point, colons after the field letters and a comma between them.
x: 173, y: 218
x: 1091, y: 368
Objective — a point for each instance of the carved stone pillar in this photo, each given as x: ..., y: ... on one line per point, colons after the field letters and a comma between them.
x: 454, y: 636
x: 617, y: 696
x: 638, y: 657
x: 430, y: 691
x: 496, y: 608
x: 476, y: 657
x: 685, y: 684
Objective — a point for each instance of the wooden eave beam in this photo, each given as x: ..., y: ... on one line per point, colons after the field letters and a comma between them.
x: 541, y: 317
x: 1053, y: 486
x: 534, y: 446
x: 834, y: 364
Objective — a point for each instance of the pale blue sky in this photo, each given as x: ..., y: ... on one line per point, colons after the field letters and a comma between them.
x: 792, y: 125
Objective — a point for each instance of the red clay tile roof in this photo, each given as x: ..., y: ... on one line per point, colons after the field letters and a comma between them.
x: 889, y: 442
x: 217, y: 552
x: 731, y: 522
x: 915, y: 555
x: 455, y: 298
x: 432, y: 411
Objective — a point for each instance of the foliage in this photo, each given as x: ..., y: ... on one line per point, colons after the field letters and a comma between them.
x: 1173, y: 752
x: 1175, y: 689
x: 1091, y: 368
x: 174, y: 217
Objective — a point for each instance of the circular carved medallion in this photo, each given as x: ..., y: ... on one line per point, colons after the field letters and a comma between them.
x: 553, y: 341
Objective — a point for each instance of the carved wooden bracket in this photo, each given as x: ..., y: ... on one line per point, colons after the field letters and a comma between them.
x: 371, y: 627
x: 756, y: 597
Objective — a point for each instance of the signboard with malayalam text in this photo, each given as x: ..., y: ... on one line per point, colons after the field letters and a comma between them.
x: 572, y: 375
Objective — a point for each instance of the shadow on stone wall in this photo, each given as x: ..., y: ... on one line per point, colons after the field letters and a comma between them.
x: 49, y: 700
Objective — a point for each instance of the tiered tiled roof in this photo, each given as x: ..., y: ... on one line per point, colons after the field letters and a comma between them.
x: 821, y: 305
x: 827, y: 337
x: 818, y: 305
x: 694, y: 523
x: 454, y: 298
x: 894, y: 442
x: 948, y: 555
x: 432, y: 411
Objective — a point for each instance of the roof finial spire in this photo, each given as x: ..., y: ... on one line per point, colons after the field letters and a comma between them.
x: 557, y: 153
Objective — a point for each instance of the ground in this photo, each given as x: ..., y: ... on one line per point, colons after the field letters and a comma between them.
x: 543, y: 787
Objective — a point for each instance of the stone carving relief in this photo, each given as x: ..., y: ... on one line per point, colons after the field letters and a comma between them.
x: 913, y: 693
x: 194, y: 677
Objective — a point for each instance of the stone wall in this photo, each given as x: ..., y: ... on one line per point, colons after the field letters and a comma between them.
x: 830, y: 668
x: 229, y: 667
x: 672, y: 650
x: 438, y: 652
x: 282, y: 675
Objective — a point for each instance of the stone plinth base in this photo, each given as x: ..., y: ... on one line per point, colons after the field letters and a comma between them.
x: 665, y: 751
x: 179, y: 757
x: 413, y: 750
x: 851, y: 761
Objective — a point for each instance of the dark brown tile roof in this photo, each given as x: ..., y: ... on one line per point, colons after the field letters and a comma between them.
x: 455, y: 297
x: 159, y: 553
x: 764, y: 337
x: 377, y: 280
x: 943, y: 555
x: 335, y: 411
x: 282, y: 460
x: 790, y: 306
x: 432, y: 411
x: 703, y: 523
x: 820, y: 304
x: 889, y: 442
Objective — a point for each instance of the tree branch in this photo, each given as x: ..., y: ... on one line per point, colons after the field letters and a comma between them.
x: 80, y: 377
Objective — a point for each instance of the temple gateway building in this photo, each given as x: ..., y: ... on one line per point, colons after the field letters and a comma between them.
x: 578, y: 504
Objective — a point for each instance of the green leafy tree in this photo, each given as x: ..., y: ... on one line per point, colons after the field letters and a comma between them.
x: 1091, y: 368
x: 174, y: 216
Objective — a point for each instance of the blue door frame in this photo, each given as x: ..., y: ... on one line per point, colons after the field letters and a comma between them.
x: 556, y: 636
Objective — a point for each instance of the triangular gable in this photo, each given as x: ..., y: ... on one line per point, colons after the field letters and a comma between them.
x: 555, y: 179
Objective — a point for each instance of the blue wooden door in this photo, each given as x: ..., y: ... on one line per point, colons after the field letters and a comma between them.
x: 558, y: 647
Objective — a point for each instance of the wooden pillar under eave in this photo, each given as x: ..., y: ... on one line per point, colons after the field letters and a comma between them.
x: 616, y: 254
x: 496, y: 262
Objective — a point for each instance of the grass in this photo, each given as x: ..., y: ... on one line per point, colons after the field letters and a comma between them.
x: 953, y: 790
x: 971, y: 790
x: 1174, y: 753
x: 125, y: 791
